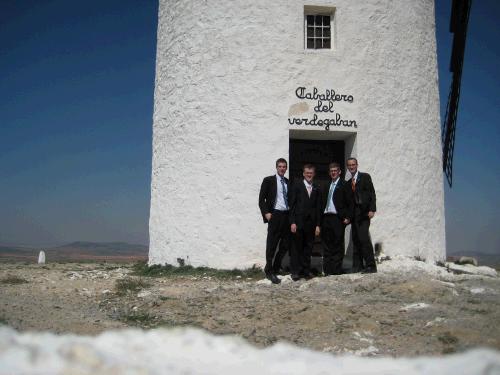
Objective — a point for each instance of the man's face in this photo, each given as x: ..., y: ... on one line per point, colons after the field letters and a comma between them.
x: 334, y: 173
x: 281, y: 169
x: 352, y: 165
x: 308, y: 174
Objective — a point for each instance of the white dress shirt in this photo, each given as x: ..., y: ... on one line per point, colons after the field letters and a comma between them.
x: 308, y: 185
x: 280, y: 204
x: 330, y: 206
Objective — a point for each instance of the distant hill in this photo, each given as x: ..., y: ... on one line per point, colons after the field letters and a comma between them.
x: 18, y: 253
x: 78, y: 251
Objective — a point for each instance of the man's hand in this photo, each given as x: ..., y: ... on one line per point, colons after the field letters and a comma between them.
x: 293, y: 228
x: 316, y: 232
x: 371, y: 214
x: 268, y: 216
x: 346, y: 221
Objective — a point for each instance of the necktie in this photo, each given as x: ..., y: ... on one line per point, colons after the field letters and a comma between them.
x: 309, y: 189
x: 353, y: 184
x: 330, y: 194
x: 283, y: 189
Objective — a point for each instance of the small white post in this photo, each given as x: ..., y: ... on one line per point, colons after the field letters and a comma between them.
x: 41, y: 257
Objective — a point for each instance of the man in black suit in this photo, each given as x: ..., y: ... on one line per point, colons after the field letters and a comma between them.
x: 364, y: 201
x: 337, y: 213
x: 305, y: 218
x: 273, y: 204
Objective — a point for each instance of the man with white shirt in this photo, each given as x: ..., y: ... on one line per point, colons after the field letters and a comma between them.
x: 364, y: 202
x: 274, y: 207
x: 337, y: 213
x: 305, y: 220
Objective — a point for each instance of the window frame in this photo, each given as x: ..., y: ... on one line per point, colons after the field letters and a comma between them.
x: 319, y: 11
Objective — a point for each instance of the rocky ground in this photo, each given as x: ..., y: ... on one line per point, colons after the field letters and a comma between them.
x: 409, y: 308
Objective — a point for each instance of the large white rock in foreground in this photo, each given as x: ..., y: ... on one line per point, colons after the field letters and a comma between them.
x: 190, y: 351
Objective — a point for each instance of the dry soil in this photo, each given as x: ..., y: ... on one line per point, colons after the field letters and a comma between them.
x: 389, y: 313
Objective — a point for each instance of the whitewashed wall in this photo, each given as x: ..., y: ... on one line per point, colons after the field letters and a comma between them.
x: 226, y: 76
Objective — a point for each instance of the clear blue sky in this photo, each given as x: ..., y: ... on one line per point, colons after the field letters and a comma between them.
x: 76, y: 102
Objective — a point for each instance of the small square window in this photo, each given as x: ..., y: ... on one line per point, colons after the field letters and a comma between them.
x: 318, y: 27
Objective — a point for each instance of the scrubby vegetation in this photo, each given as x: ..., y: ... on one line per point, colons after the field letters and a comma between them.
x: 123, y: 286
x: 168, y: 270
x: 12, y: 280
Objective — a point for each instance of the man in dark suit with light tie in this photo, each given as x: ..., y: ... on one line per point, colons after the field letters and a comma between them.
x: 337, y: 213
x: 365, y: 206
x: 305, y: 219
x: 273, y: 204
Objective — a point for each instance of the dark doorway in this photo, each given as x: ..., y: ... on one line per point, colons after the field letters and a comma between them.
x: 318, y: 153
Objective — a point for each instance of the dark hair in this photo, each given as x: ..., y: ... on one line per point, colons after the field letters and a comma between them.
x: 281, y: 160
x: 356, y: 160
x: 333, y: 165
x: 308, y: 166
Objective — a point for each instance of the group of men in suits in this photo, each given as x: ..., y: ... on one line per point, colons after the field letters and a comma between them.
x: 297, y: 213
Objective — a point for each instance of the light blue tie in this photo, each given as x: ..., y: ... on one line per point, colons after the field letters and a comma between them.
x: 330, y: 194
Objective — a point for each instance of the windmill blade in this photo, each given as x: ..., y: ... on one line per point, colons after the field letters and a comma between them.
x: 458, y: 26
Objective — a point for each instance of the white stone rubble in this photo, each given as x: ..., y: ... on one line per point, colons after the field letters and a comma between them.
x: 450, y: 272
x: 264, y: 282
x: 477, y: 290
x: 366, y: 352
x: 414, y: 306
x: 144, y: 294
x: 190, y: 351
x: 436, y: 320
x: 471, y: 269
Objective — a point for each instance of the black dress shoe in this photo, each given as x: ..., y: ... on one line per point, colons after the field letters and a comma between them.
x: 280, y: 272
x: 295, y: 277
x: 274, y: 279
x: 369, y: 270
x: 334, y: 272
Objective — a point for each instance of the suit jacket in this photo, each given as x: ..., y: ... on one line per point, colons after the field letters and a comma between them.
x: 364, y: 199
x: 341, y: 199
x: 303, y: 207
x: 267, y: 195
